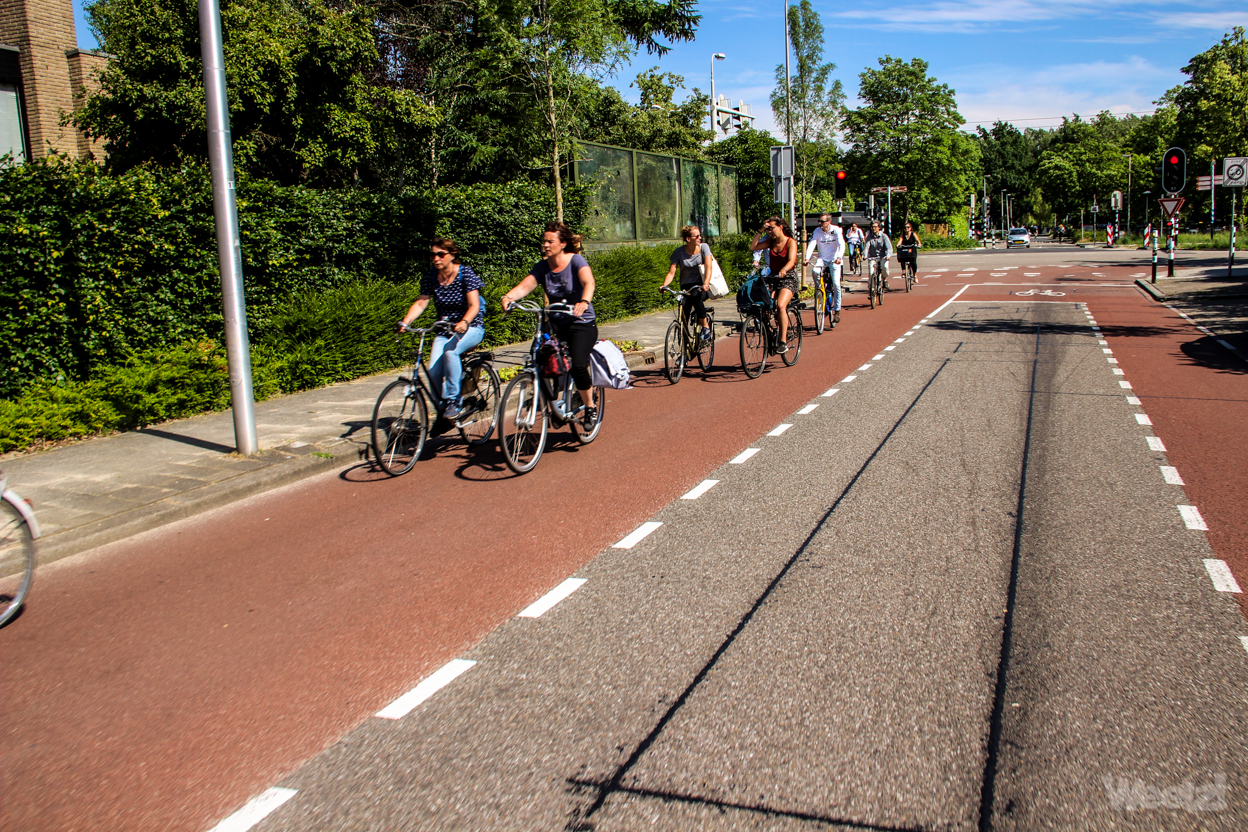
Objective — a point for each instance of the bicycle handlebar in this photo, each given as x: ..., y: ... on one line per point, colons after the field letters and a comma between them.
x: 534, y: 308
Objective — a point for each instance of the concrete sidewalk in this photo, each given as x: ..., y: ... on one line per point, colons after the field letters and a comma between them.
x: 106, y: 489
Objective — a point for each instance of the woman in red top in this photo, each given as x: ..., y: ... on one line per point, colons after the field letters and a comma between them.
x: 782, y: 258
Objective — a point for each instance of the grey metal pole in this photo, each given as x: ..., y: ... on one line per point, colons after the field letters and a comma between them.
x: 713, y: 114
x: 1213, y: 193
x: 1230, y: 261
x: 1129, y: 158
x: 225, y: 211
x: 788, y: 92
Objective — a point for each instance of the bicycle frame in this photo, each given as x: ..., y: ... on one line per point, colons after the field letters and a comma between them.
x: 23, y: 508
x: 547, y: 396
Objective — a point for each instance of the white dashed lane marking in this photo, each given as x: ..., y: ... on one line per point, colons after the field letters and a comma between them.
x: 848, y: 379
x: 551, y: 598
x: 1125, y: 385
x: 743, y: 456
x: 889, y: 347
x: 645, y: 529
x: 1135, y: 400
x: 1155, y: 443
x: 1171, y: 475
x: 255, y: 811
x: 807, y: 409
x: 700, y: 489
x: 860, y: 369
x: 1192, y: 519
x: 1118, y: 371
x: 779, y: 430
x: 1143, y: 419
x: 1220, y: 574
x: 832, y: 392
x: 877, y: 358
x: 1244, y: 641
x: 442, y: 677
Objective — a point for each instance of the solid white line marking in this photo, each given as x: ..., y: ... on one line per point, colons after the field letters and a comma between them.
x: 1155, y: 443
x: 878, y: 357
x: 1118, y: 371
x: 551, y: 598
x: 1125, y: 385
x: 1192, y: 518
x: 863, y: 367
x: 644, y: 530
x: 255, y: 811
x: 848, y: 379
x: 1143, y: 419
x: 807, y: 409
x: 700, y: 489
x: 1133, y: 400
x: 831, y: 392
x: 441, y: 677
x: 1171, y: 475
x: 778, y: 430
x: 743, y: 456
x: 1220, y: 574
x: 889, y: 347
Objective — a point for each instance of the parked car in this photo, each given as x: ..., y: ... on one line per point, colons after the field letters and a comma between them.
x: 1018, y: 237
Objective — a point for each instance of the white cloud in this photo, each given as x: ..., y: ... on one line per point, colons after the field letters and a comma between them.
x: 1218, y: 21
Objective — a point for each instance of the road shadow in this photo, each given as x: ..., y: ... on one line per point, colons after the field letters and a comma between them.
x: 1207, y: 352
x: 188, y: 440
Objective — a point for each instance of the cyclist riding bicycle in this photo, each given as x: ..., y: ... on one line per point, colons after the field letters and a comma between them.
x: 877, y: 248
x: 564, y: 275
x: 908, y: 249
x: 456, y: 293
x: 776, y: 239
x: 687, y: 258
x: 830, y: 242
x: 853, y: 241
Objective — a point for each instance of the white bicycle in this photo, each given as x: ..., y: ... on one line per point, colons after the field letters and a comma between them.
x: 18, y: 532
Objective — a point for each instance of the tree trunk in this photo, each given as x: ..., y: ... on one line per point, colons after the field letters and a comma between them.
x: 553, y: 120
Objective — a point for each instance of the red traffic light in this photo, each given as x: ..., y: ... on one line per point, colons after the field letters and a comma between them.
x: 840, y: 174
x: 1174, y: 160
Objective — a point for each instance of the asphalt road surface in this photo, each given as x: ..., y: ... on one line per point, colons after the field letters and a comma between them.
x: 971, y: 588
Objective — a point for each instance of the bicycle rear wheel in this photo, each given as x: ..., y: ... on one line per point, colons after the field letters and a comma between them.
x: 586, y: 435
x: 793, y: 338
x: 706, y: 349
x: 522, y: 423
x: 400, y: 427
x: 909, y: 275
x: 17, y: 561
x: 674, y: 352
x: 821, y: 306
x: 480, y: 410
x: 753, y: 345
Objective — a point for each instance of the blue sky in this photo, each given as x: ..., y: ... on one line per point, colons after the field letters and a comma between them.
x: 1025, y: 61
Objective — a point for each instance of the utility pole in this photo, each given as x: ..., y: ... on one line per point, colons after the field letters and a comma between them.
x: 225, y: 211
x: 788, y: 92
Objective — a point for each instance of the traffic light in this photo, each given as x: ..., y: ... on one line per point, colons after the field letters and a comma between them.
x: 1156, y: 179
x: 840, y: 184
x: 1173, y: 170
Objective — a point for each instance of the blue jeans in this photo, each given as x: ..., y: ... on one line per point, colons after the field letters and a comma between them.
x: 446, y: 367
x: 832, y: 283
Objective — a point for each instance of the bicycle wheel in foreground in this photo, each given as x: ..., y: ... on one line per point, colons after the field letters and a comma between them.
x: 400, y: 427
x: 17, y: 561
x: 674, y: 352
x: 821, y: 306
x: 753, y: 345
x: 706, y: 348
x: 481, y: 408
x: 522, y: 423
x: 586, y: 435
x: 793, y: 338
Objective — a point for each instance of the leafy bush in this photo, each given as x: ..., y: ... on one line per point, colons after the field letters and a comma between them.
x: 939, y: 242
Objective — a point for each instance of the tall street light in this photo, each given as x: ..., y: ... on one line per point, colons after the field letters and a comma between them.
x: 788, y: 92
x: 718, y: 56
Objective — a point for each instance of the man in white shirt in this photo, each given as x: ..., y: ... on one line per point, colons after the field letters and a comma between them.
x: 831, y: 245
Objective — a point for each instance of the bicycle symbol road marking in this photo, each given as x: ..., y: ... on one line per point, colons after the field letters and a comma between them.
x: 1048, y: 292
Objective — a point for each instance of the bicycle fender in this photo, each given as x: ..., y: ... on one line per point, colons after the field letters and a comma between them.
x: 10, y: 496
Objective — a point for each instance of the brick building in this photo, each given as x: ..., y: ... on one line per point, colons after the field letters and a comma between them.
x: 42, y: 74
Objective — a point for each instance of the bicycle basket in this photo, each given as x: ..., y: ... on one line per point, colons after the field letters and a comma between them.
x: 753, y: 294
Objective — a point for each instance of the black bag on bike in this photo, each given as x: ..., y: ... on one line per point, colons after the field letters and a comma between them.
x: 552, y: 358
x: 753, y: 294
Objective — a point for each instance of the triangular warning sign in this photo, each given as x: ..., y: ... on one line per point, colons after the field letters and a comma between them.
x: 1170, y: 205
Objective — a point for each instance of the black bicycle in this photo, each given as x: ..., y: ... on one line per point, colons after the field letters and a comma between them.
x: 401, y: 422
x: 684, y: 342
x: 907, y: 256
x: 760, y: 336
x: 537, y: 396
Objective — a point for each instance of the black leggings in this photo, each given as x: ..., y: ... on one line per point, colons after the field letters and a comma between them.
x: 580, y: 339
x: 695, y: 299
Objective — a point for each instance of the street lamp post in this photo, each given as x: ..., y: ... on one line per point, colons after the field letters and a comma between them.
x: 718, y: 56
x: 788, y: 92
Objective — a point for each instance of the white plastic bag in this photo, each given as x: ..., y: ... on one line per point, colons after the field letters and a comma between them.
x: 607, y: 366
x: 719, y: 286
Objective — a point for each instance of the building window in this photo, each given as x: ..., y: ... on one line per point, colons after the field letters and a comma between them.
x: 12, y: 131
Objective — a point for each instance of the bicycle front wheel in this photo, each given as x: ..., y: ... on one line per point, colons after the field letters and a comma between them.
x: 793, y: 338
x: 821, y: 307
x: 706, y: 348
x: 17, y: 561
x: 400, y: 427
x: 674, y: 352
x: 480, y: 410
x: 522, y: 423
x: 753, y: 346
x: 909, y: 272
x: 586, y: 434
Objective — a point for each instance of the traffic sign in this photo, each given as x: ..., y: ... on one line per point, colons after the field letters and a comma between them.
x: 1170, y: 205
x: 1205, y: 183
x: 1234, y: 172
x: 1115, y: 201
x: 782, y: 160
x: 1096, y: 209
x: 897, y: 189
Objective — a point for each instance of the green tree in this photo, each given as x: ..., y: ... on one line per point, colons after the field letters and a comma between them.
x: 303, y: 103
x: 657, y: 123
x: 816, y: 101
x: 906, y: 133
x: 1212, y: 102
x: 750, y: 151
x: 1083, y: 164
x: 1008, y: 158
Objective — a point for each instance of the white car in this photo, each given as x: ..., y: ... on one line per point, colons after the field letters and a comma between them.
x: 1018, y: 237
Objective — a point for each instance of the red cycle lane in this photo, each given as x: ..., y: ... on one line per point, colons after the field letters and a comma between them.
x: 161, y: 682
